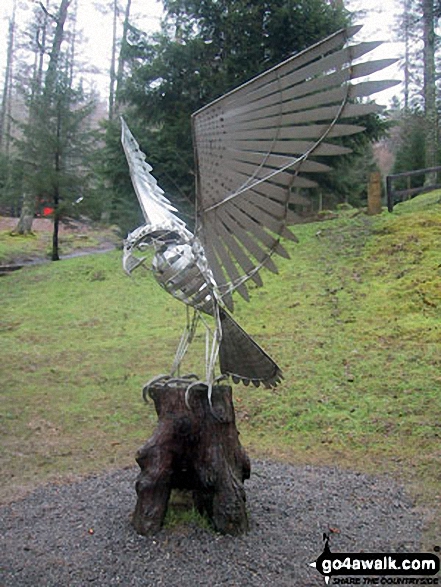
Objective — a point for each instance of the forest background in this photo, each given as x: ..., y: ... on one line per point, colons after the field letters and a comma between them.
x: 59, y: 140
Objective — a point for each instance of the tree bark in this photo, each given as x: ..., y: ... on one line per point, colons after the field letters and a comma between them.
x: 122, y: 58
x: 113, y: 63
x: 55, y: 245
x: 56, y: 49
x: 430, y: 109
x: 24, y: 224
x: 56, y: 193
x: 406, y: 26
x: 194, y: 449
x: 5, y: 112
x: 40, y: 52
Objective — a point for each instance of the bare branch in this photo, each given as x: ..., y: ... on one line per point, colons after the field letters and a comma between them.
x: 47, y: 13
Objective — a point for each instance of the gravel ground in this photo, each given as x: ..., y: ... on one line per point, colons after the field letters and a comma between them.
x: 80, y: 534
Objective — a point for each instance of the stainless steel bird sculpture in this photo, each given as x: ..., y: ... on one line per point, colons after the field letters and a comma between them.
x: 254, y: 147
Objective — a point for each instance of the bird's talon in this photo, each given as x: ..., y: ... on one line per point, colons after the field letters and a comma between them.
x: 191, y: 376
x: 221, y: 378
x: 147, y: 387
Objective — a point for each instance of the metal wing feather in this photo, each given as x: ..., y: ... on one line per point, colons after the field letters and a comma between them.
x: 254, y: 145
x: 156, y: 208
x: 160, y: 220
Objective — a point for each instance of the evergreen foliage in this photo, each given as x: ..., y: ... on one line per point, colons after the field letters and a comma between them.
x: 348, y: 181
x: 411, y: 150
x: 411, y: 153
x: 205, y: 49
x: 46, y: 162
x: 419, y: 144
x: 55, y: 148
x: 117, y: 203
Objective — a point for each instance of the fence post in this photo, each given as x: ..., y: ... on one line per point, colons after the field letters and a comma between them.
x: 390, y: 197
x: 374, y: 193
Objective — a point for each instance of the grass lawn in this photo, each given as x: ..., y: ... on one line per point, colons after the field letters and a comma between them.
x: 354, y: 320
x: 73, y: 238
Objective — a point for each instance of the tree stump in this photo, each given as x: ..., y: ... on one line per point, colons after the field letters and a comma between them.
x: 193, y: 449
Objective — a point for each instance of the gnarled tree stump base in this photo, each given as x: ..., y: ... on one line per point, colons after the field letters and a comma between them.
x: 195, y: 450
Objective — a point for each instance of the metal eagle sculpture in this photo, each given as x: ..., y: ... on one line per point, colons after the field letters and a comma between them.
x: 253, y: 147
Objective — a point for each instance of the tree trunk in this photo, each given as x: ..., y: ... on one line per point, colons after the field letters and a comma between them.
x: 56, y: 226
x: 56, y: 49
x: 5, y: 112
x: 122, y: 58
x: 40, y: 52
x: 24, y: 225
x: 73, y: 44
x: 56, y: 193
x: 113, y: 63
x: 406, y: 27
x: 430, y: 110
x: 194, y: 449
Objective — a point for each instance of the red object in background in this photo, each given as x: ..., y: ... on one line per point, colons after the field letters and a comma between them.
x: 47, y: 211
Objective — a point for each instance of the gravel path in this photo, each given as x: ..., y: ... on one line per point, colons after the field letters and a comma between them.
x: 80, y: 534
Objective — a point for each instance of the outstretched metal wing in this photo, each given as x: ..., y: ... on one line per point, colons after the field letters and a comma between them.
x: 160, y: 220
x: 254, y: 145
x: 156, y: 208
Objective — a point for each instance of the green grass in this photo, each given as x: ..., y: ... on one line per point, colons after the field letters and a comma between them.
x: 354, y: 320
x: 38, y: 245
x: 13, y: 247
x: 181, y: 512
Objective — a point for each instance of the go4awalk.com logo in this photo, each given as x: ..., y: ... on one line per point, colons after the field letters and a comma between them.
x: 389, y: 569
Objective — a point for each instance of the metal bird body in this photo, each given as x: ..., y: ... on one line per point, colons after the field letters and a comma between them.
x: 181, y: 267
x: 254, y: 148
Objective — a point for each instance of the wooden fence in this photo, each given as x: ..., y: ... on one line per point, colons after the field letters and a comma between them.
x: 409, y: 192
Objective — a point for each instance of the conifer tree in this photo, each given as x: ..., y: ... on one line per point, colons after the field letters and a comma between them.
x: 55, y: 150
x: 204, y: 50
x: 43, y: 102
x: 417, y: 23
